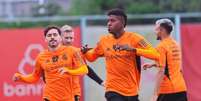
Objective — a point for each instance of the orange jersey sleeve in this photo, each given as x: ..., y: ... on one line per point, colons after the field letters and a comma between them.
x: 34, y: 76
x: 78, y: 71
x: 91, y: 55
x: 76, y: 79
x: 144, y: 48
x: 80, y: 67
x: 96, y: 52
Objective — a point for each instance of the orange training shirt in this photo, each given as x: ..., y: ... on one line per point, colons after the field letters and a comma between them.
x: 76, y: 79
x: 58, y: 87
x: 170, y: 59
x: 122, y: 72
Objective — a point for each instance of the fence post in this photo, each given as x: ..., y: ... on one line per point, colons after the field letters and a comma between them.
x: 178, y: 28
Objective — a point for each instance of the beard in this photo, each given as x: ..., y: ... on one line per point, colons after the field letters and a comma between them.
x: 53, y: 43
x: 158, y: 38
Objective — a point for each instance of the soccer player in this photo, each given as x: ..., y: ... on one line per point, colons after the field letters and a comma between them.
x: 68, y: 38
x: 58, y: 63
x: 121, y: 50
x: 172, y: 84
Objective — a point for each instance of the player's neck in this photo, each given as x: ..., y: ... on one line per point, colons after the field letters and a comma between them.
x: 68, y: 44
x: 165, y: 36
x: 119, y: 34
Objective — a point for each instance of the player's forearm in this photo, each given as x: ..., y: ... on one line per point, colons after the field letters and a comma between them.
x: 31, y: 78
x: 90, y: 55
x: 150, y: 53
x: 159, y: 79
x: 79, y: 71
x: 94, y: 76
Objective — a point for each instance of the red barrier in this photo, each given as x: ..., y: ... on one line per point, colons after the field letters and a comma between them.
x: 191, y: 40
x: 19, y: 47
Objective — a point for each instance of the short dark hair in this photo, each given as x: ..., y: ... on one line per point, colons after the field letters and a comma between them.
x: 167, y: 27
x: 118, y: 12
x: 167, y: 24
x: 51, y: 27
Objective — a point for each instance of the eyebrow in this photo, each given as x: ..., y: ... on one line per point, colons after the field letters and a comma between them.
x: 53, y: 33
x: 68, y: 31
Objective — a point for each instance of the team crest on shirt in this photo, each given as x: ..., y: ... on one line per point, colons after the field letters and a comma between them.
x: 55, y: 58
x: 108, y: 49
x: 64, y: 57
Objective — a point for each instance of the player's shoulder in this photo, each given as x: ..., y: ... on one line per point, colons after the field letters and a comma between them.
x: 134, y: 35
x: 72, y: 47
x: 167, y: 42
x: 106, y: 36
x: 42, y: 54
x: 163, y: 44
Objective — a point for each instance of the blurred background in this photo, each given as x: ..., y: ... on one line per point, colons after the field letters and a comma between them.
x: 21, y: 29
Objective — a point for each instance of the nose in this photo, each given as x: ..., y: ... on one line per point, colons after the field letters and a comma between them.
x: 52, y: 38
x: 109, y: 23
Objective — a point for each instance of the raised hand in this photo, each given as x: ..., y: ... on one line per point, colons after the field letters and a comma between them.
x: 16, y: 77
x: 85, y: 49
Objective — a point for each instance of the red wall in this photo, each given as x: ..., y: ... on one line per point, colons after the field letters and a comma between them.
x: 191, y: 48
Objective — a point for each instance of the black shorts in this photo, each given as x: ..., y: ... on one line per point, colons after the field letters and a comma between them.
x: 180, y: 96
x: 113, y: 96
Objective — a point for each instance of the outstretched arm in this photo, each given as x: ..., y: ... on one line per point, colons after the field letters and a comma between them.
x: 91, y: 54
x: 146, y: 51
x: 30, y: 78
x: 94, y: 76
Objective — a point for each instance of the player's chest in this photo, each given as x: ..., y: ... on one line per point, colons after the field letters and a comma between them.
x: 111, y: 52
x: 56, y: 61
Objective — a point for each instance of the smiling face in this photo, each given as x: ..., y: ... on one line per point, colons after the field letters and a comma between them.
x: 53, y: 38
